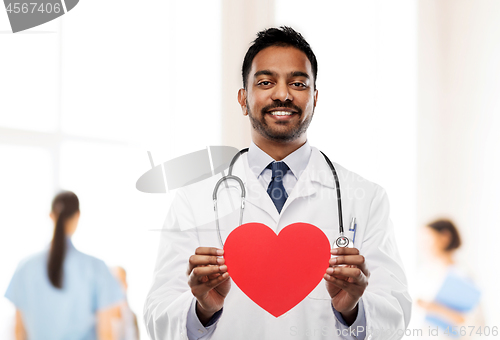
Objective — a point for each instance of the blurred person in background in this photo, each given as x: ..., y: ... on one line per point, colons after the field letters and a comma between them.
x: 448, y: 296
x: 125, y: 327
x: 61, y: 293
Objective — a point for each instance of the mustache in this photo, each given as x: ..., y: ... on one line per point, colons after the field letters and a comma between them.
x: 281, y: 104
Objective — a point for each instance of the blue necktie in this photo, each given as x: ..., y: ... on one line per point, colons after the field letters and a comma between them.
x: 276, y: 190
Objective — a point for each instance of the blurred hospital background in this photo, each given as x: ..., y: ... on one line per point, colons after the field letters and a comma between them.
x: 408, y: 98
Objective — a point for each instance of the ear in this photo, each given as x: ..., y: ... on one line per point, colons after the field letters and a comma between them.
x: 315, y: 97
x: 242, y: 99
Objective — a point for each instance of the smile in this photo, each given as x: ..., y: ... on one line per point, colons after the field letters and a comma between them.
x: 281, y: 113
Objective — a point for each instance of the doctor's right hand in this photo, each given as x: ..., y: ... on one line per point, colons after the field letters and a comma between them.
x: 209, y: 281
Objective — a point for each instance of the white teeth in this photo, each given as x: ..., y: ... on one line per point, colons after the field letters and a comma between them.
x: 281, y: 113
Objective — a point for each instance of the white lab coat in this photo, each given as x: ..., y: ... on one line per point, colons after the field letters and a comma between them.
x: 190, y: 224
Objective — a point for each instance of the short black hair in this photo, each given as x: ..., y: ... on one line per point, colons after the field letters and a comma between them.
x: 442, y: 226
x: 283, y: 36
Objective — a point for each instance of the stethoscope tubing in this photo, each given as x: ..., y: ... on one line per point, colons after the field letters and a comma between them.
x: 230, y: 176
x: 214, y: 196
x: 339, y: 194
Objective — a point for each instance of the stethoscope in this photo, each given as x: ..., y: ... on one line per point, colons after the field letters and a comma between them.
x: 342, y: 241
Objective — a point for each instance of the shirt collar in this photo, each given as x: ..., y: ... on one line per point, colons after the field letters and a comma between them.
x: 297, y: 161
x: 69, y: 244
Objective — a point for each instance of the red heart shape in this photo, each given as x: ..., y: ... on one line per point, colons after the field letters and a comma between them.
x: 277, y: 271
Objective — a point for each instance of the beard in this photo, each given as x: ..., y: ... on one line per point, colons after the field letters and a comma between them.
x: 289, y: 132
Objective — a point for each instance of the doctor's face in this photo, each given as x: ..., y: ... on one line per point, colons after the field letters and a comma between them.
x: 280, y: 97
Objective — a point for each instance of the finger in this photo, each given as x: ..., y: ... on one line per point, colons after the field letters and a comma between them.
x: 360, y: 263
x: 203, y: 260
x: 200, y: 272
x: 344, y: 251
x: 201, y: 275
x: 340, y: 277
x: 351, y: 261
x: 217, y: 281
x: 355, y: 274
x: 209, y: 251
x: 364, y: 269
x: 357, y: 260
x: 202, y: 289
x: 351, y: 288
x: 213, y: 276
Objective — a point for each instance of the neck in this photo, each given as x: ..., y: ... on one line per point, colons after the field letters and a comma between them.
x: 278, y: 150
x: 447, y: 258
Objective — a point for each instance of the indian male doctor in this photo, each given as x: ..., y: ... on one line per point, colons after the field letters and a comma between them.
x: 363, y: 293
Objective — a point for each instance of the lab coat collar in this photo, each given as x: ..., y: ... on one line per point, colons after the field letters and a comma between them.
x: 319, y: 171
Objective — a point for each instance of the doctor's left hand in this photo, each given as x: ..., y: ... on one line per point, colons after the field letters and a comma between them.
x: 209, y: 281
x: 346, y: 281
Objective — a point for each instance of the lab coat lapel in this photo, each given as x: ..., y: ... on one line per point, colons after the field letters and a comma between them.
x: 306, y: 185
x: 319, y: 171
x: 313, y: 174
x: 303, y: 188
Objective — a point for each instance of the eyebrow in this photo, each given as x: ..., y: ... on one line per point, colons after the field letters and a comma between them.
x: 265, y: 73
x: 271, y: 73
x: 299, y: 74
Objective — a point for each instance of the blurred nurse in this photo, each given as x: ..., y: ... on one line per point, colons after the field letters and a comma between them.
x: 448, y: 295
x: 61, y: 293
x: 125, y: 327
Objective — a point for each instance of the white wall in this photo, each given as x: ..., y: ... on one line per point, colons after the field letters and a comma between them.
x: 82, y: 99
x: 458, y: 124
x: 365, y: 118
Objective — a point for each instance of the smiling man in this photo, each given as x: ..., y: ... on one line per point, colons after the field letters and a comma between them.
x: 279, y: 97
x: 363, y: 292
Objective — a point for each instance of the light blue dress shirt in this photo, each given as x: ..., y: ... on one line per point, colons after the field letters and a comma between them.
x: 67, y: 313
x: 297, y: 161
x: 258, y: 160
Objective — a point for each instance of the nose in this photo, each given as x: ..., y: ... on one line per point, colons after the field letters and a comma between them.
x: 281, y: 92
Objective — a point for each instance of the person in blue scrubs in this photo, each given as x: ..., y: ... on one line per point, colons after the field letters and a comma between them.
x: 61, y: 293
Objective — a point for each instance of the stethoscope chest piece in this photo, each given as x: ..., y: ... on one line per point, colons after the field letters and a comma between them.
x: 342, y: 242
